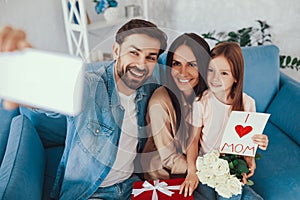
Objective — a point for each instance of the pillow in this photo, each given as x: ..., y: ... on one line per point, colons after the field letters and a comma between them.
x: 285, y: 110
x: 22, y: 169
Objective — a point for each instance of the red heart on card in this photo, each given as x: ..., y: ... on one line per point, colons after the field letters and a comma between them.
x: 242, y: 131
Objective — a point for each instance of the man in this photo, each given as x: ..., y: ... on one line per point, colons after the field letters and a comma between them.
x: 102, y: 141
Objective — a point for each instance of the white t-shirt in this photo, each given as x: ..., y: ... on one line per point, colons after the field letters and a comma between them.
x: 212, y: 115
x: 123, y: 167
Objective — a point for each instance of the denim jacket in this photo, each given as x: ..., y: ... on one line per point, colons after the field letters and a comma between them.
x: 93, y: 135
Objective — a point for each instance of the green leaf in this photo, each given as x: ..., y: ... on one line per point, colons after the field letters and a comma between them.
x: 242, y: 167
x: 258, y: 156
x: 233, y: 34
x: 250, y: 182
x: 230, y: 165
x: 268, y: 40
x: 294, y: 61
x: 235, y: 162
x: 288, y: 60
x: 298, y: 63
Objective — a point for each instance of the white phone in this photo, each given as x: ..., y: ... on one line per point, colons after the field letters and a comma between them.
x: 41, y: 79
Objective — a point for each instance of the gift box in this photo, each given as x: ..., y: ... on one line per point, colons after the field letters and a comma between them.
x: 158, y: 190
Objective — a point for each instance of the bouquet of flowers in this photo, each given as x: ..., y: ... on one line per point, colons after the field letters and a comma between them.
x: 222, y: 173
x: 101, y: 5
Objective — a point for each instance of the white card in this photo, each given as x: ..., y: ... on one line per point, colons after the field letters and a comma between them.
x: 240, y: 127
x: 50, y: 81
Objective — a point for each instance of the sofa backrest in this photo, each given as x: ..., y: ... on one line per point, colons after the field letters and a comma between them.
x: 261, y: 78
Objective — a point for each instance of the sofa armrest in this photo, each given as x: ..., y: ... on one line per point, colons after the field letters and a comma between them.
x: 22, y: 169
x: 5, y: 121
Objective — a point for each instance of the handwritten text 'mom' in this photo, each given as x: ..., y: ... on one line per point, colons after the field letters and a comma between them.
x: 238, y: 149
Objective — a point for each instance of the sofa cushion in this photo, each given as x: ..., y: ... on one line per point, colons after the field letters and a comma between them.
x: 22, y: 169
x: 285, y: 110
x: 277, y: 174
x: 5, y: 119
x: 261, y: 79
x: 52, y: 130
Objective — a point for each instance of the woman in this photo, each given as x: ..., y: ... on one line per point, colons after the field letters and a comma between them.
x: 170, y: 106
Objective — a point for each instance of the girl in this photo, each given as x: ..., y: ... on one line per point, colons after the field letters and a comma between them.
x: 211, y: 112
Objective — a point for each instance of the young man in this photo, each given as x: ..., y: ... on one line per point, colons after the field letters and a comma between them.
x: 103, y: 140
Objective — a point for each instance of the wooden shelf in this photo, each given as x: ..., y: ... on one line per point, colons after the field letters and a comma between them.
x: 103, y: 23
x: 78, y: 43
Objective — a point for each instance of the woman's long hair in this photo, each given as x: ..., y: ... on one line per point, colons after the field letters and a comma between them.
x: 232, y: 52
x: 201, y: 51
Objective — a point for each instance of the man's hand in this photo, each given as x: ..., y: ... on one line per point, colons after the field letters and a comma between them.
x: 12, y: 39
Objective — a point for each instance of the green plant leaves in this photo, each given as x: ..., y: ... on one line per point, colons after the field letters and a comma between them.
x: 237, y: 165
x: 252, y: 36
x: 289, y: 62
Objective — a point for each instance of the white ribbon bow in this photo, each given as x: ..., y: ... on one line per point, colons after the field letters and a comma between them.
x: 160, y: 186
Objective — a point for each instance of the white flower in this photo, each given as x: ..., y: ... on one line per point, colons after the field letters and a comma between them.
x: 199, y: 163
x: 203, y: 179
x: 220, y: 167
x: 210, y: 158
x: 222, y: 179
x: 214, y: 172
x: 208, y: 171
x: 211, y: 182
x: 216, y: 152
x: 234, y: 185
x: 223, y: 190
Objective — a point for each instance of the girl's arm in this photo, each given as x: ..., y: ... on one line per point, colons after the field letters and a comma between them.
x: 262, y: 141
x: 192, y: 180
x: 251, y: 165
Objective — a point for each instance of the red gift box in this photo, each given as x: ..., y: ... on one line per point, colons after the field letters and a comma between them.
x: 165, y: 189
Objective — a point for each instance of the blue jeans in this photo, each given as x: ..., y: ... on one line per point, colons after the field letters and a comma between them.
x: 119, y: 191
x: 205, y: 192
x: 249, y: 194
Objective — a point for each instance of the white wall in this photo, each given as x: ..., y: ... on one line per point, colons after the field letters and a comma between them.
x: 43, y: 19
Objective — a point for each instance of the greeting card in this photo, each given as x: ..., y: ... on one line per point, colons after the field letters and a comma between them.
x: 241, y: 126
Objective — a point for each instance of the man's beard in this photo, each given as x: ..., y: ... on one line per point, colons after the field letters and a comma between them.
x: 131, y: 82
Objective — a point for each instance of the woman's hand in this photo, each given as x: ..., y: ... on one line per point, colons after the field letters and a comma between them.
x: 262, y: 140
x: 189, y: 185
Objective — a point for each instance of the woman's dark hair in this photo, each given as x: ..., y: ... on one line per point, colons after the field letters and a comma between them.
x: 201, y: 51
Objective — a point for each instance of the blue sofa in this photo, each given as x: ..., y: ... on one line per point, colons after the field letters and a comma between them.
x: 29, y: 155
